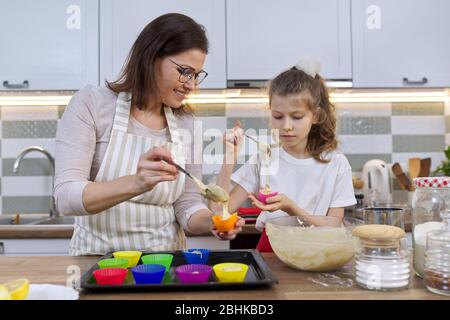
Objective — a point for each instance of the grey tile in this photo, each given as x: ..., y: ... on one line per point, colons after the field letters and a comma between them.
x: 213, y: 146
x: 416, y: 143
x: 249, y: 123
x: 364, y: 125
x: 61, y: 110
x: 208, y: 178
x: 447, y: 124
x: 357, y: 161
x: 417, y: 108
x: 218, y: 123
x: 248, y: 110
x: 209, y: 110
x: 28, y: 167
x: 26, y: 204
x: 29, y: 129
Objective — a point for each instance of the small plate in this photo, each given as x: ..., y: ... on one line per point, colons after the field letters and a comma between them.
x: 51, y: 292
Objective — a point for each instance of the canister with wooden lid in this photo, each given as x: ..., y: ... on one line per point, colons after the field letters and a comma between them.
x: 382, y: 260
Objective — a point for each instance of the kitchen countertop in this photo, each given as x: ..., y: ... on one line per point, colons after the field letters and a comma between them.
x: 66, y: 231
x: 293, y: 284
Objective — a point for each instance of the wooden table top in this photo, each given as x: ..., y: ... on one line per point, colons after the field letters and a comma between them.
x: 293, y: 284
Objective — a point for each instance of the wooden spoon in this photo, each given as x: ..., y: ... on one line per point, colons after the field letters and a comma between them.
x: 425, y: 165
x: 405, y: 183
x: 414, y: 167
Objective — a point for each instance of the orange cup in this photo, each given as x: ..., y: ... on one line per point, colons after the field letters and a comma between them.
x: 225, y: 225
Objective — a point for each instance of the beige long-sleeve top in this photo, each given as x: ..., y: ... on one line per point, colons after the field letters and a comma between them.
x: 82, y: 137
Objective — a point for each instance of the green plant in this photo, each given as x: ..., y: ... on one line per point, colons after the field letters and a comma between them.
x: 444, y: 167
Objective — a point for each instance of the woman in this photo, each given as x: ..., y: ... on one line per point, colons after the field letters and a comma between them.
x: 114, y: 145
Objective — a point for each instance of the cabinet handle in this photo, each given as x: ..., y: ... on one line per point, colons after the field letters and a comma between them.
x: 407, y: 81
x: 23, y: 85
x: 2, y: 248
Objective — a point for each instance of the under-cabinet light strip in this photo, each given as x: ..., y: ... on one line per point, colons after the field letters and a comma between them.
x: 238, y: 97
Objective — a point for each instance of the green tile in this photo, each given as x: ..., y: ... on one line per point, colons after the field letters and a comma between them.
x: 416, y: 143
x: 447, y: 124
x: 28, y: 167
x: 29, y: 129
x: 27, y: 204
x: 364, y: 125
x: 357, y: 161
x: 418, y: 108
x: 209, y: 110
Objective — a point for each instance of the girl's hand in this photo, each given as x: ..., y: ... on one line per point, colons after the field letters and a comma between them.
x: 230, y: 235
x: 278, y: 202
x: 232, y: 142
x: 151, y: 170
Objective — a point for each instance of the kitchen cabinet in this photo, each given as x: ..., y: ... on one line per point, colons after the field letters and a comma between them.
x: 123, y: 20
x: 265, y: 37
x: 402, y: 43
x: 34, y: 247
x: 48, y: 44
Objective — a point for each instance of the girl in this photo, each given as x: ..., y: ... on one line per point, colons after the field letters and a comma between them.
x: 310, y: 176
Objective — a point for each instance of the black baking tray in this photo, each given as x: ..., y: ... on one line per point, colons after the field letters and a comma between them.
x: 258, y: 274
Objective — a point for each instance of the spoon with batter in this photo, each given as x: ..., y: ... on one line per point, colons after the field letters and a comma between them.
x: 211, y: 191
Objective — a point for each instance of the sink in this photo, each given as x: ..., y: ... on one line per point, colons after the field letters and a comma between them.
x: 63, y: 220
x: 32, y: 219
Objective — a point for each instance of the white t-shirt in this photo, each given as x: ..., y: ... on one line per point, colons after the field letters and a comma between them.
x: 313, y: 186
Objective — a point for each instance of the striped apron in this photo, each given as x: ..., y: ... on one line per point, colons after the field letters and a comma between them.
x: 145, y: 222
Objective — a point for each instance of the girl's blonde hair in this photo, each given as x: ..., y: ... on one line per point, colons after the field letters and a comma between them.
x: 322, y: 137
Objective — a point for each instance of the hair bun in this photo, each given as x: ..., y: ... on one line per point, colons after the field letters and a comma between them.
x: 309, y: 65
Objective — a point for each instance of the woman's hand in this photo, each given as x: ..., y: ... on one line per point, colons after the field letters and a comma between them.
x: 232, y: 142
x: 230, y: 235
x: 278, y: 202
x: 151, y: 170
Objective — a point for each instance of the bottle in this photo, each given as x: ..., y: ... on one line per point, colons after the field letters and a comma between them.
x: 437, y: 258
x: 382, y: 260
x: 431, y: 197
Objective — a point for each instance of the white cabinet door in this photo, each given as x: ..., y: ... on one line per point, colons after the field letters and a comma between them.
x: 265, y: 37
x: 48, y: 44
x: 123, y: 20
x: 207, y: 242
x: 401, y: 43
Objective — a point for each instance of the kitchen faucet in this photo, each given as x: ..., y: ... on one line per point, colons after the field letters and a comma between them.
x: 53, y: 212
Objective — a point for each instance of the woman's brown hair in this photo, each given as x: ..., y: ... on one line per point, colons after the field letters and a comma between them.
x: 167, y: 35
x: 322, y: 137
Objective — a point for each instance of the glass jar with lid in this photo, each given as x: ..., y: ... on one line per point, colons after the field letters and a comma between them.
x: 437, y: 258
x: 431, y: 197
x: 382, y: 259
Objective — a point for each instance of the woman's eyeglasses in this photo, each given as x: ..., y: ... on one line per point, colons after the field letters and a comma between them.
x: 187, y: 74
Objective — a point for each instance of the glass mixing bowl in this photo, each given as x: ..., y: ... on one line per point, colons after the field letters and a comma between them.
x: 313, y: 243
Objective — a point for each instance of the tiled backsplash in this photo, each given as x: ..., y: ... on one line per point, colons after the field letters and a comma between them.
x: 392, y: 132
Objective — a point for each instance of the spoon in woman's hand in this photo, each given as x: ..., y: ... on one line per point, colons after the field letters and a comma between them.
x: 211, y: 191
